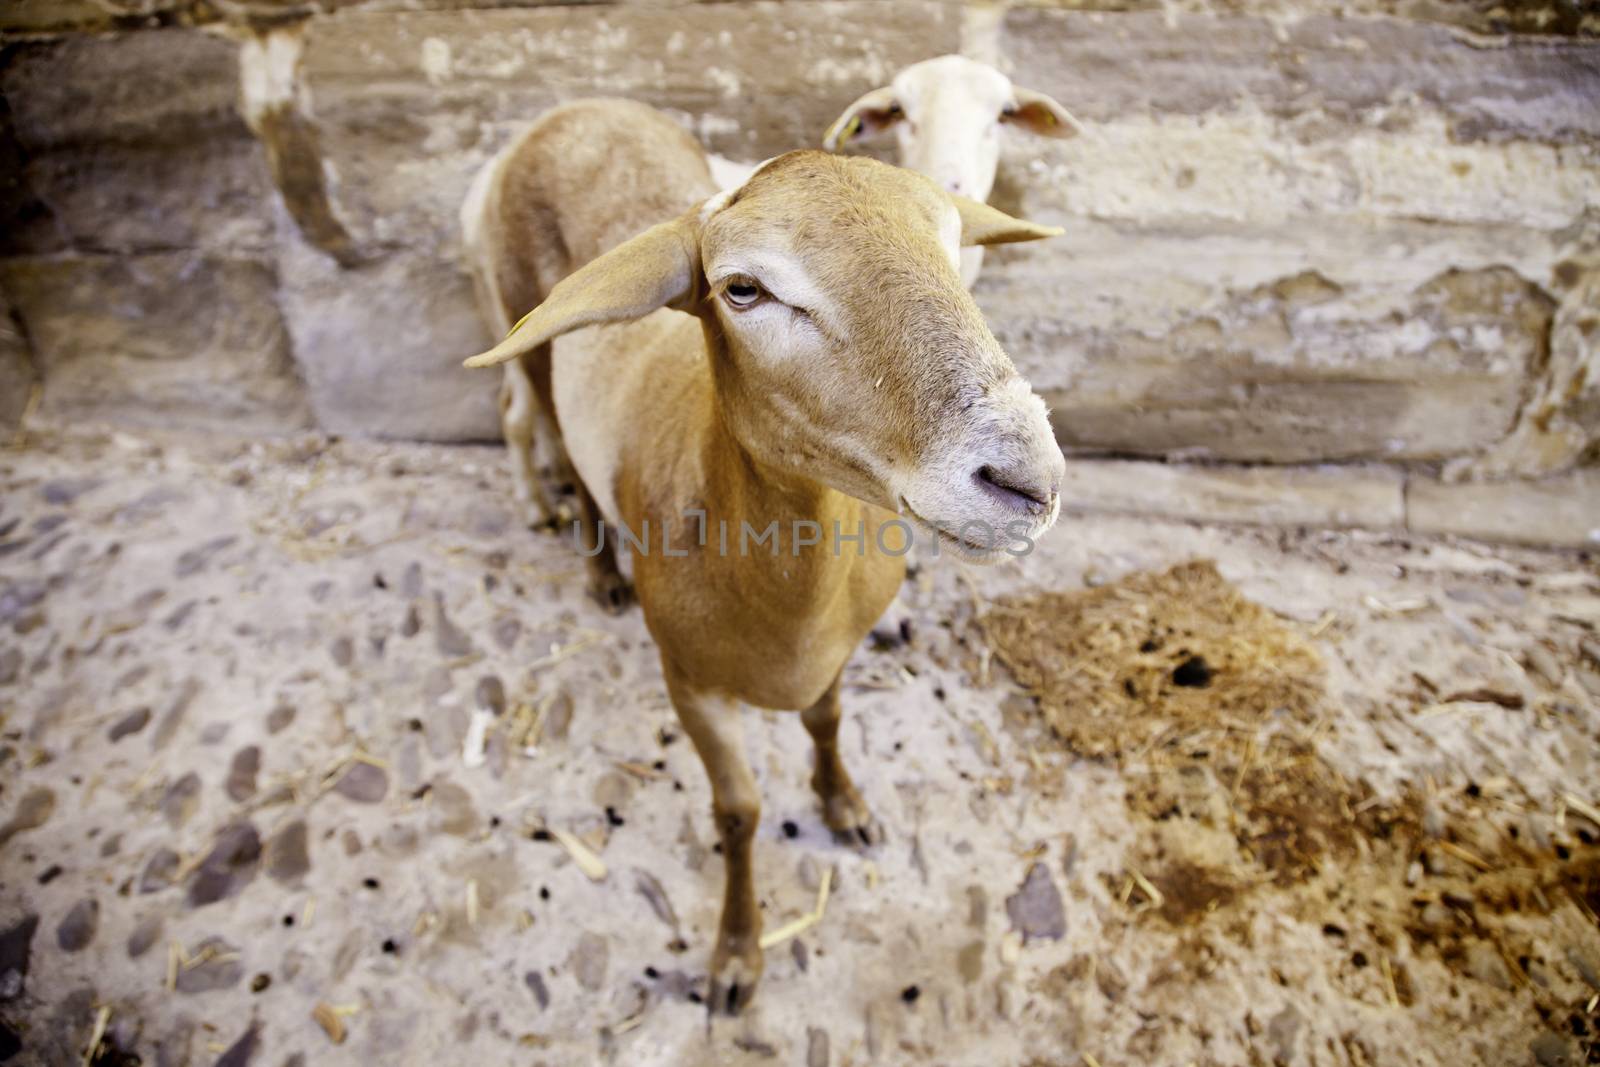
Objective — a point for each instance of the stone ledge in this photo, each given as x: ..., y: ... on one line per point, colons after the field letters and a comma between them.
x: 1564, y: 510
x: 1560, y: 512
x: 1338, y: 496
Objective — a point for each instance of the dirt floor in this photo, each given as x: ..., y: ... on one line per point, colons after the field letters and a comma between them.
x: 311, y: 756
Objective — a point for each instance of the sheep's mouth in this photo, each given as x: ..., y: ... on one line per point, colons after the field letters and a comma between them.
x: 965, y: 547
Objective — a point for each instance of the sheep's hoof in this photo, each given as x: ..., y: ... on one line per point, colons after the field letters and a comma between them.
x: 735, y: 973
x: 890, y: 635
x: 550, y: 520
x: 851, y: 821
x: 866, y: 835
x: 612, y: 592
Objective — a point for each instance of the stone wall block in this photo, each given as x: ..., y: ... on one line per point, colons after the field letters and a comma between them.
x: 1298, y: 368
x: 380, y: 345
x: 409, y: 105
x: 133, y: 143
x: 1151, y: 62
x: 168, y: 339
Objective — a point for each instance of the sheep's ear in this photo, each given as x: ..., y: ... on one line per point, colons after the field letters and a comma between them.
x: 867, y: 117
x: 984, y: 225
x: 659, y: 268
x: 1039, y: 114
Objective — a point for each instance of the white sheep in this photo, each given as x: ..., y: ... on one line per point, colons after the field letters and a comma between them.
x: 946, y: 114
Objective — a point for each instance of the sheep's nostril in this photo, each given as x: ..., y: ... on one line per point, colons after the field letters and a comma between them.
x: 1031, y: 491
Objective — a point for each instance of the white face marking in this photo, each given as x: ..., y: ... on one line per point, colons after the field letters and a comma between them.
x: 779, y: 273
x: 782, y: 327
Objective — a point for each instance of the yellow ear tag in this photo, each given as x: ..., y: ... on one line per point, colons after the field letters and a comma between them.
x: 852, y: 127
x: 520, y: 321
x: 1049, y: 118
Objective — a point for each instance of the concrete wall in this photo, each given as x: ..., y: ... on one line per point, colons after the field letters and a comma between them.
x: 1296, y: 231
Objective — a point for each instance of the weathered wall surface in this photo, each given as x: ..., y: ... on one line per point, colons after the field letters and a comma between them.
x: 141, y: 254
x: 1325, y: 238
x: 1293, y: 234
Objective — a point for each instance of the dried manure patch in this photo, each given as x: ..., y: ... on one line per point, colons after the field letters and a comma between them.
x: 1207, y: 701
x: 1454, y: 896
x: 1118, y: 668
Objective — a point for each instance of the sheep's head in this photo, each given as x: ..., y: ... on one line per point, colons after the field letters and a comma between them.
x: 853, y: 354
x: 947, y: 114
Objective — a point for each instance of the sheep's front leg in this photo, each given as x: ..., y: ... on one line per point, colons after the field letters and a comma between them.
x: 715, y: 726
x: 846, y: 814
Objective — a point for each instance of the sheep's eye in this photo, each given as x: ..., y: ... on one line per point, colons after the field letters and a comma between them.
x: 1009, y: 111
x: 743, y: 292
